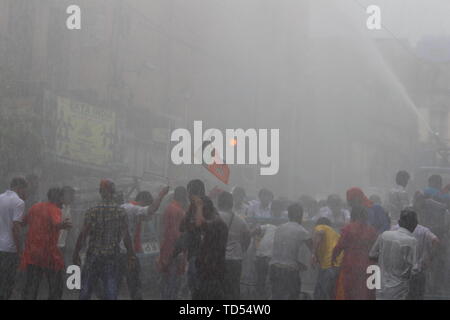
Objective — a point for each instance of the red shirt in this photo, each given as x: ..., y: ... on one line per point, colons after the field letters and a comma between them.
x: 41, y: 245
x: 173, y: 215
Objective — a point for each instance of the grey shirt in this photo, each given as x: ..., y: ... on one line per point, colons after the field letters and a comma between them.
x: 237, y: 231
x: 397, y: 200
x: 397, y: 258
x: 287, y: 245
x: 134, y: 212
x: 12, y: 209
x: 425, y: 240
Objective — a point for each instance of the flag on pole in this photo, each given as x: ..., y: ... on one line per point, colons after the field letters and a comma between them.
x: 218, y: 168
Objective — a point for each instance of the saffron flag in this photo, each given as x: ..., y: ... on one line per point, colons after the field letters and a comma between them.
x: 221, y: 171
x: 218, y: 168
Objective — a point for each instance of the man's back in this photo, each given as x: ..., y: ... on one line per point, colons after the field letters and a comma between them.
x: 425, y: 240
x: 288, y: 240
x: 172, y: 217
x: 40, y: 220
x: 211, y: 258
x: 378, y: 218
x: 265, y: 245
x: 106, y: 222
x: 435, y: 217
x: 237, y: 231
x: 397, y: 256
x: 171, y: 220
x: 41, y: 245
x: 11, y: 209
x: 398, y: 200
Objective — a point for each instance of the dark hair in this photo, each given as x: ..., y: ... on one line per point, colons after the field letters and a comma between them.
x: 55, y: 194
x: 209, y: 211
x: 408, y: 219
x: 323, y: 220
x: 435, y: 181
x: 295, y: 212
x: 180, y: 194
x: 265, y: 192
x: 225, y: 201
x: 239, y: 191
x: 402, y: 177
x: 18, y: 182
x: 196, y: 187
x: 107, y: 188
x: 144, y: 196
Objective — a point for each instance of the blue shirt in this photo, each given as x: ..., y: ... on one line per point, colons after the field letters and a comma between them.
x: 378, y: 218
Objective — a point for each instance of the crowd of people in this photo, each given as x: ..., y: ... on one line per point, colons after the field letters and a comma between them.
x: 211, y: 242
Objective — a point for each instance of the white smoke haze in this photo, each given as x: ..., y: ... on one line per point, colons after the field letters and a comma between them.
x: 296, y: 96
x: 344, y: 98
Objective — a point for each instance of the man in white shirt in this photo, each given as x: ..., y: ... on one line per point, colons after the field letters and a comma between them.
x: 426, y: 244
x: 12, y: 211
x: 396, y: 252
x: 261, y: 208
x: 334, y: 211
x: 240, y: 205
x: 264, y: 249
x: 285, y: 265
x: 397, y: 198
x: 237, y: 245
x: 137, y: 211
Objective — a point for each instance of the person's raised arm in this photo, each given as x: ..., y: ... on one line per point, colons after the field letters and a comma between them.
x: 157, y: 202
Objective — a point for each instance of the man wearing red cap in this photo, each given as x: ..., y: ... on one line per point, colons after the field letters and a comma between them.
x: 106, y: 226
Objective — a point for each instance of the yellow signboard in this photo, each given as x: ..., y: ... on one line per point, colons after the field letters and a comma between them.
x: 85, y: 133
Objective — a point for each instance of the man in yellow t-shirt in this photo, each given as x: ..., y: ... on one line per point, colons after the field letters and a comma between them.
x: 325, y: 239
